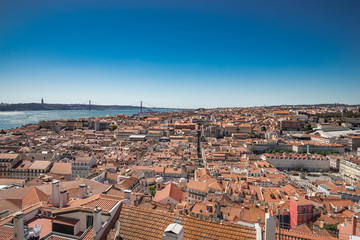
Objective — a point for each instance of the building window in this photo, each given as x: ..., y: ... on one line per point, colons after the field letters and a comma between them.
x: 89, y: 221
x: 300, y: 218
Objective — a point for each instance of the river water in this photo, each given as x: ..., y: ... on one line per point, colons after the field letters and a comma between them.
x: 15, y: 119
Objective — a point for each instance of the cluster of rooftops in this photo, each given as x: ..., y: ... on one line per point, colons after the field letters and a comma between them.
x: 194, y: 174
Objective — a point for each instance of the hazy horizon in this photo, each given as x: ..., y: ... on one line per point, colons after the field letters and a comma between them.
x: 145, y: 106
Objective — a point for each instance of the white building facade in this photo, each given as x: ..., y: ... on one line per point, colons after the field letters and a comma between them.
x: 296, y: 161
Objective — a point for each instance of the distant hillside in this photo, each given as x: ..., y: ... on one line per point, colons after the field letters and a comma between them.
x: 44, y: 107
x: 314, y: 105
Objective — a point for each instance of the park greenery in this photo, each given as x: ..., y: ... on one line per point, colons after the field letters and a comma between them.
x: 113, y: 127
x: 332, y: 228
x: 348, y: 114
x: 277, y: 150
x: 308, y: 128
x: 153, y: 190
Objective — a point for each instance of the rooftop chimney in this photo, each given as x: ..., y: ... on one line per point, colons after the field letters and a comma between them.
x: 63, y: 198
x: 97, y: 221
x: 270, y: 226
x: 354, y: 223
x: 134, y: 199
x: 82, y: 191
x: 174, y: 232
x: 19, y: 226
x: 56, y: 193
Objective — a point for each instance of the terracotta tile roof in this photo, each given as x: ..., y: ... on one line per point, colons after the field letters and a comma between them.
x: 113, y: 191
x: 173, y: 171
x: 139, y: 223
x: 34, y: 195
x: 103, y: 203
x: 89, y: 235
x: 24, y: 196
x: 6, y: 233
x: 126, y: 183
x: 112, y: 176
x: 73, y: 187
x: 149, y: 204
x: 61, y: 168
x: 170, y: 190
x: 200, y: 186
x: 42, y: 165
x: 83, y: 158
x: 5, y: 181
x: 214, y: 184
x: 201, y: 208
x: 327, y: 219
x: 12, y: 205
x: 301, y: 228
x: 301, y: 235
x: 9, y: 156
x: 302, y: 201
x: 45, y: 224
x: 22, y: 165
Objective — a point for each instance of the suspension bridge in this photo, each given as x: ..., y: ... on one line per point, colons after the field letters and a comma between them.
x: 141, y: 105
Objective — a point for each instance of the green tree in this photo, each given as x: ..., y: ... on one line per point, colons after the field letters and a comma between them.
x: 113, y: 127
x: 308, y: 128
x: 331, y: 228
x: 153, y: 190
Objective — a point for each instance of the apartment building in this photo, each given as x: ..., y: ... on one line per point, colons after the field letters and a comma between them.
x: 196, y: 191
x: 344, y: 192
x: 301, y: 211
x: 350, y: 169
x: 354, y: 142
x: 81, y: 165
x: 174, y: 174
x: 289, y: 125
x: 7, y: 162
x: 37, y: 168
x: 20, y: 170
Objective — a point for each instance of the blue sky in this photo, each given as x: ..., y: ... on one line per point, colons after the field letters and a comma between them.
x: 180, y: 53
